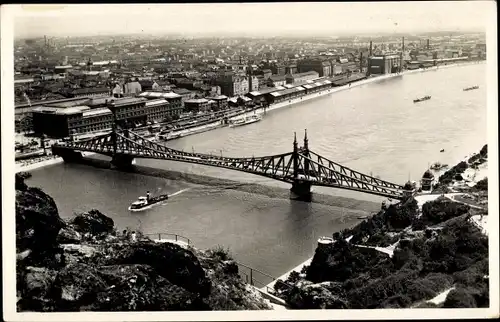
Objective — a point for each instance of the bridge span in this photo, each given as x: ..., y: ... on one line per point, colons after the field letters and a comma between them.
x: 301, y: 167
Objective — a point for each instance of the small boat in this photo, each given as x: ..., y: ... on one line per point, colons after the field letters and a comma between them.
x: 425, y: 98
x: 442, y: 150
x: 471, y: 88
x: 143, y: 203
x: 438, y: 166
x: 246, y: 120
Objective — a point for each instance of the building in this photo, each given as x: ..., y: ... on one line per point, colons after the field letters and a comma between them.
x: 88, y: 92
x: 323, y: 68
x: 276, y: 80
x: 174, y: 100
x: 301, y: 78
x: 232, y: 85
x: 186, y: 94
x: 60, y: 122
x: 253, y: 83
x: 291, y: 69
x: 197, y: 105
x: 220, y: 102
x: 132, y: 88
x: 384, y: 64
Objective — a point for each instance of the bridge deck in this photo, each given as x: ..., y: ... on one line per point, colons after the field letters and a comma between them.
x: 301, y: 165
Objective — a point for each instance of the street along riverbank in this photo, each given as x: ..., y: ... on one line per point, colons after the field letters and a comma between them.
x: 29, y: 165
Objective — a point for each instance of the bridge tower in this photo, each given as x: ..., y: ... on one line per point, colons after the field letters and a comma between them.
x: 301, y: 189
x: 118, y: 160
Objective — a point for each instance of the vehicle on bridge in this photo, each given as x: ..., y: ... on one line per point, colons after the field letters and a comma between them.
x: 144, y: 203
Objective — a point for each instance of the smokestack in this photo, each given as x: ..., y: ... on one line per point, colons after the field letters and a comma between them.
x: 361, y: 62
x: 371, y: 47
x: 428, y: 43
x: 403, y: 46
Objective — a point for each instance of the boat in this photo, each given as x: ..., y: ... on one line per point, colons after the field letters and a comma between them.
x: 425, y: 98
x: 246, y: 120
x: 169, y: 136
x: 143, y: 203
x: 471, y: 88
x: 438, y: 166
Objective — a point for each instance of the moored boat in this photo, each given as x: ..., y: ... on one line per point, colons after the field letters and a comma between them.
x: 425, y: 98
x: 143, y: 203
x: 471, y: 88
x: 246, y: 120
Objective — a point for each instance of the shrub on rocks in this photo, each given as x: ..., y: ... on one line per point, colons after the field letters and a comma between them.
x: 315, y: 296
x: 460, y: 298
x: 442, y: 209
x: 93, y: 222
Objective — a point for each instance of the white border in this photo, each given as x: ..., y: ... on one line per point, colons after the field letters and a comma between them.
x: 8, y: 222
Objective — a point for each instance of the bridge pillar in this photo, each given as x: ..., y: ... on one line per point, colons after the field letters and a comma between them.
x: 67, y: 154
x: 301, y: 191
x: 122, y: 161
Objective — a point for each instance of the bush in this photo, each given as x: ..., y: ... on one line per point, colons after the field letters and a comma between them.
x: 482, y: 185
x: 221, y: 253
x: 402, y: 215
x: 460, y: 298
x: 442, y: 209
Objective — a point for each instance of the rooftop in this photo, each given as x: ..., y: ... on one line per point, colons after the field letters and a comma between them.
x: 159, y: 95
x: 160, y: 101
x: 196, y: 101
x: 96, y: 112
x: 127, y: 100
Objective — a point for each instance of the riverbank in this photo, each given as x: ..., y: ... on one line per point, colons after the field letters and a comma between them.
x: 217, y: 124
x: 381, y: 251
x: 33, y: 164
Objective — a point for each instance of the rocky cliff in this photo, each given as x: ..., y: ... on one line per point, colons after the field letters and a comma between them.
x: 405, y: 255
x: 86, y: 265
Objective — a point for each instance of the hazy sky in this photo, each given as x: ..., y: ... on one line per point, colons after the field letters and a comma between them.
x: 251, y: 18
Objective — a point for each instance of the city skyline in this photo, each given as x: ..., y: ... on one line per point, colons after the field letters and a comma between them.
x: 275, y: 19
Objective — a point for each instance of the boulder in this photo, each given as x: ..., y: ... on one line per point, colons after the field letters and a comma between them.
x: 37, y: 220
x: 315, y: 296
x: 93, y: 222
x: 140, y: 288
x: 68, y: 235
x: 35, y: 289
x: 176, y: 264
x: 77, y: 285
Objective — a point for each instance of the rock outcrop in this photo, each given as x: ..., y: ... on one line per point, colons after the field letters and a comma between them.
x: 85, y: 265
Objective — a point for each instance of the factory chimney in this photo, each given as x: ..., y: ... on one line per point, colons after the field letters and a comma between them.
x: 428, y: 44
x: 371, y: 47
x: 361, y: 62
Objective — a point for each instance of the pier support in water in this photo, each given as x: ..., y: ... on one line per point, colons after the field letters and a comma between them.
x: 301, y: 191
x: 67, y: 155
x: 122, y: 161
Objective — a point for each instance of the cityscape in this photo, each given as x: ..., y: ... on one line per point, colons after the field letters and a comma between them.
x: 251, y: 170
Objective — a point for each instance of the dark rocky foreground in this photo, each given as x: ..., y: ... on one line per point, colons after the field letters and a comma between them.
x: 86, y: 265
x: 435, y: 249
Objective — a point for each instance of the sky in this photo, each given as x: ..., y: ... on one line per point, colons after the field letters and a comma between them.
x: 271, y: 19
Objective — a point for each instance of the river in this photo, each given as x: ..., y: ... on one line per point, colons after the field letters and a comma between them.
x: 374, y: 128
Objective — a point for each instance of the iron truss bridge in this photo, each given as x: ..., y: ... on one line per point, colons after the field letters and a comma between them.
x: 299, y: 167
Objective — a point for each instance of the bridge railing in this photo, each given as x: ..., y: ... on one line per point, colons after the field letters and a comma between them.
x: 169, y: 236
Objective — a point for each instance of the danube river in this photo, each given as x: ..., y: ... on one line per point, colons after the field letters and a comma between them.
x: 375, y: 128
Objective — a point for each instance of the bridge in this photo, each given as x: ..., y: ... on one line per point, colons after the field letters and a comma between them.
x: 302, y: 167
